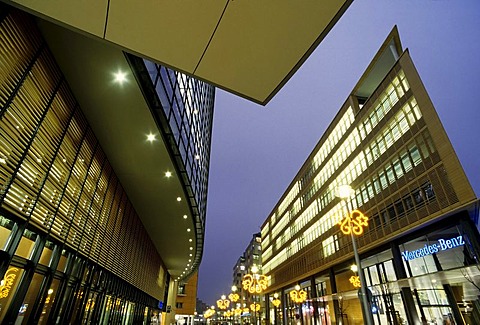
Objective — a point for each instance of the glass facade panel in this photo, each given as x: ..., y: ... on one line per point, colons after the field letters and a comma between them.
x: 49, y: 301
x: 26, y: 308
x: 27, y: 244
x: 6, y: 226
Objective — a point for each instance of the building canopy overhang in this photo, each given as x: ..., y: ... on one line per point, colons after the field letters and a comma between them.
x: 121, y: 121
x: 249, y: 48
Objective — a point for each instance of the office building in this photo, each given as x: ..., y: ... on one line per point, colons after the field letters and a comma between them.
x: 419, y: 252
x: 104, y: 161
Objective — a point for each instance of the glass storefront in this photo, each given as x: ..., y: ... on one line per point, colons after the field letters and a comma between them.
x: 431, y: 279
x: 45, y: 284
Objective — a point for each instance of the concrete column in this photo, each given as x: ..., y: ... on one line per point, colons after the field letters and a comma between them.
x: 406, y: 292
x: 171, y: 300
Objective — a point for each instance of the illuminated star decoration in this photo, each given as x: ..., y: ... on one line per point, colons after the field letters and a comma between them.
x: 353, y: 223
x: 255, y: 283
x: 355, y: 281
x: 234, y: 297
x: 255, y: 307
x: 298, y: 296
x: 223, y: 303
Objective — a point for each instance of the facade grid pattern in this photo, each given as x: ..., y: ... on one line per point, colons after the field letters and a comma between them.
x: 384, y: 149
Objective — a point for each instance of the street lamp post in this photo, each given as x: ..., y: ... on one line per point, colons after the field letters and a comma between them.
x: 234, y: 298
x: 298, y: 296
x: 276, y: 303
x: 255, y: 284
x: 355, y: 227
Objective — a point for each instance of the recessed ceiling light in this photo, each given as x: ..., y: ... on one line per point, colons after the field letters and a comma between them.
x: 184, y: 216
x: 179, y: 199
x: 191, y: 255
x: 168, y: 174
x: 190, y: 240
x: 151, y: 137
x: 120, y: 77
x: 188, y: 229
x: 191, y: 248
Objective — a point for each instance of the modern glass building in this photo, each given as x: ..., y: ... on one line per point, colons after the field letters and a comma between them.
x: 104, y: 161
x: 419, y: 252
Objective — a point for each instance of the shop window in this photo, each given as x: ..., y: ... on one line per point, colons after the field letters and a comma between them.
x: 48, y: 302
x: 26, y: 308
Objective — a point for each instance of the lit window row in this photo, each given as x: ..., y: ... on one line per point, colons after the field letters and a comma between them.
x: 386, y: 101
x: 396, y: 127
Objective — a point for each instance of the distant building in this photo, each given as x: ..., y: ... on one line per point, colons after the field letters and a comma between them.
x: 186, y: 303
x: 239, y: 270
x: 420, y: 251
x: 251, y: 258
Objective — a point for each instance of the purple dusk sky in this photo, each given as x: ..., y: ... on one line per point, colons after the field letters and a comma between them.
x: 257, y: 151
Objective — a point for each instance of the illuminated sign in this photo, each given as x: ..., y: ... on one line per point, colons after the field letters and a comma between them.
x: 441, y: 245
x: 7, y: 282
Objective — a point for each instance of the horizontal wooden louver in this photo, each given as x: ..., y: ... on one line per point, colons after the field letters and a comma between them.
x: 53, y: 174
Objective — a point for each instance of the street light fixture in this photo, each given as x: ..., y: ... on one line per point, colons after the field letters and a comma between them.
x: 276, y: 303
x: 298, y: 296
x: 353, y: 224
x: 255, y: 284
x: 234, y: 297
x: 223, y: 302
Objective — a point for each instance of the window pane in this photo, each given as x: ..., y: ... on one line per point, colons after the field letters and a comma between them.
x: 6, y: 226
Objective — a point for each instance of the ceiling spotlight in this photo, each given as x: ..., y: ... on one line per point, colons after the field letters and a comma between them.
x: 184, y: 216
x: 179, y: 199
x: 120, y: 77
x: 168, y: 174
x: 188, y: 229
x: 151, y: 137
